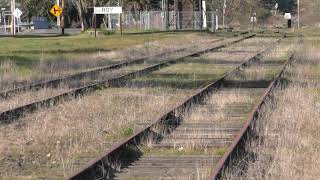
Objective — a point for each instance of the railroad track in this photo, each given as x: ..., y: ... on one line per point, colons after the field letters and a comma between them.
x: 12, y: 114
x: 81, y: 75
x: 178, y: 130
x: 54, y: 83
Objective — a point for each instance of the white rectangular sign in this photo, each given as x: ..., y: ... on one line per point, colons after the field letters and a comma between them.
x: 287, y: 15
x: 108, y: 10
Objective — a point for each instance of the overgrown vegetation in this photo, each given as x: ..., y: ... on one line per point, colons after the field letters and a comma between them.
x: 288, y: 146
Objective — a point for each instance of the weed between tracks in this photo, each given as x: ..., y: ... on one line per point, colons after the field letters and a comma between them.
x: 183, y: 152
x: 220, y: 103
x: 288, y: 147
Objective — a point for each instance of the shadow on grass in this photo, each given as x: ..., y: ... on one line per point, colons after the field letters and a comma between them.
x: 176, y: 81
x: 214, y: 62
x: 19, y: 61
x: 246, y: 84
x: 46, y: 35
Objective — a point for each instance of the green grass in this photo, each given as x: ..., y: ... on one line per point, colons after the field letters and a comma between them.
x: 79, y: 43
x: 127, y: 131
x: 26, y: 53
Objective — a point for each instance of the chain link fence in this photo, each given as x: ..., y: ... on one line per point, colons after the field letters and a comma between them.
x: 143, y: 21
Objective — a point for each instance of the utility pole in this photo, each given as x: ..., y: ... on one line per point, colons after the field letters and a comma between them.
x: 168, y: 14
x: 176, y: 13
x: 201, y: 15
x: 13, y: 22
x: 298, y: 14
x: 62, y: 18
x: 224, y: 12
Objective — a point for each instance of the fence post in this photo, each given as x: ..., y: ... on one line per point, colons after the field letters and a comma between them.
x: 179, y: 23
x: 212, y: 22
x: 217, y: 21
x: 121, y: 23
x: 149, y: 19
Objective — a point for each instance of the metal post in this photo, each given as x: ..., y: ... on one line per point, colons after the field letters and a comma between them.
x: 109, y: 22
x: 18, y: 20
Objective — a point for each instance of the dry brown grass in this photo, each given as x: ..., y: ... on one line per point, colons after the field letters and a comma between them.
x: 53, y: 141
x: 289, y: 130
x: 58, y: 137
x: 254, y: 45
x: 220, y: 101
x: 29, y: 97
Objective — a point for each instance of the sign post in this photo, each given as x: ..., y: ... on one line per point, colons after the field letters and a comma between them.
x: 107, y: 10
x: 287, y: 16
x: 253, y: 20
x: 56, y: 10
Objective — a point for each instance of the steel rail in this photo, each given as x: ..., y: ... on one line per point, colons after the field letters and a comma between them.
x: 12, y: 114
x: 237, y: 149
x: 167, y: 121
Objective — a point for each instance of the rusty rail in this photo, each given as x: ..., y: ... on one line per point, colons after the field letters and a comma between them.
x: 127, y: 150
x: 237, y: 148
x: 12, y: 114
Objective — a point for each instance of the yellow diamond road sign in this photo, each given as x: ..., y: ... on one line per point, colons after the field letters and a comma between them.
x: 56, y: 10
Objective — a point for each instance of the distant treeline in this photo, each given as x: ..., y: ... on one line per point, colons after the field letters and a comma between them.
x: 78, y: 13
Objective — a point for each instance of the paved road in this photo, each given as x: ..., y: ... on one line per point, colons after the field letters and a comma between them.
x: 44, y: 32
